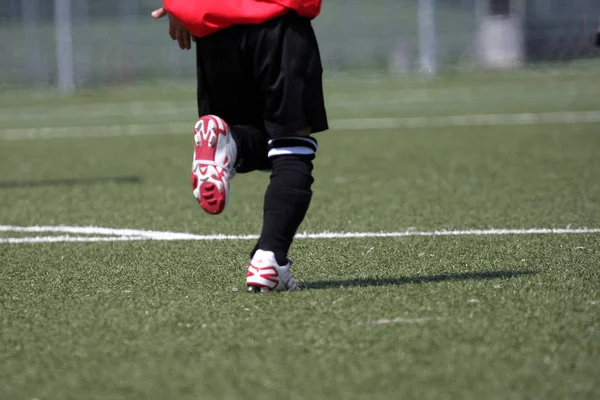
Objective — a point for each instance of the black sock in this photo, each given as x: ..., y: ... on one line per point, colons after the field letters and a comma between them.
x: 288, y: 195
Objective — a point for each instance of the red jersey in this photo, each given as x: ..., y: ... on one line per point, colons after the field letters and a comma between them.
x: 203, y: 17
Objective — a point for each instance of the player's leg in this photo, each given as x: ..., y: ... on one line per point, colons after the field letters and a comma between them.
x: 224, y: 139
x: 290, y: 72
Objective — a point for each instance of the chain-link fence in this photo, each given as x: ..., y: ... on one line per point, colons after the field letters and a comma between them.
x: 95, y: 41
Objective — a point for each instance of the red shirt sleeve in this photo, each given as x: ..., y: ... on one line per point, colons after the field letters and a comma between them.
x: 203, y: 17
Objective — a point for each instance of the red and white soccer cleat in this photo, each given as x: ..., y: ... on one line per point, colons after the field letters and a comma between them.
x: 265, y: 275
x: 213, y: 164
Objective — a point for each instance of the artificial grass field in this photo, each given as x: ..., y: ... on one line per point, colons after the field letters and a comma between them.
x: 427, y: 317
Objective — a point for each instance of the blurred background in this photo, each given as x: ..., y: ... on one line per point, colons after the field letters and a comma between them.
x: 78, y: 43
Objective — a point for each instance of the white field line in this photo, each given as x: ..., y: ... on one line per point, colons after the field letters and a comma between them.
x: 94, y: 131
x: 67, y: 238
x: 109, y: 234
x: 563, y: 118
x: 385, y: 321
x: 99, y: 110
x: 133, y: 234
x: 367, y: 99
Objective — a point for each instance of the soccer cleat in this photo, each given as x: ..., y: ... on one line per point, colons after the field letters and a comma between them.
x: 265, y: 275
x: 213, y: 164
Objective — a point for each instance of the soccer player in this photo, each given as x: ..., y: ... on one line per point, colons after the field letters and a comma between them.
x: 260, y: 97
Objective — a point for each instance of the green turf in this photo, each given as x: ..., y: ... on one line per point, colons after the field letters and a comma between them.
x: 465, y: 317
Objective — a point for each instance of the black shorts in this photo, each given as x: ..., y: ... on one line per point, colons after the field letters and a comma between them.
x: 268, y: 76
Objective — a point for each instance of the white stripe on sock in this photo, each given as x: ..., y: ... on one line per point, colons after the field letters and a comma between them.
x: 312, y: 142
x: 305, y: 151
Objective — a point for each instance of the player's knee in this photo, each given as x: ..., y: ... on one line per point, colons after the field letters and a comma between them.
x: 303, y: 146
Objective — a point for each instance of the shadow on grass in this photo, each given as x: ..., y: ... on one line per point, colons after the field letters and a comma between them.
x: 70, y: 182
x: 363, y: 282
